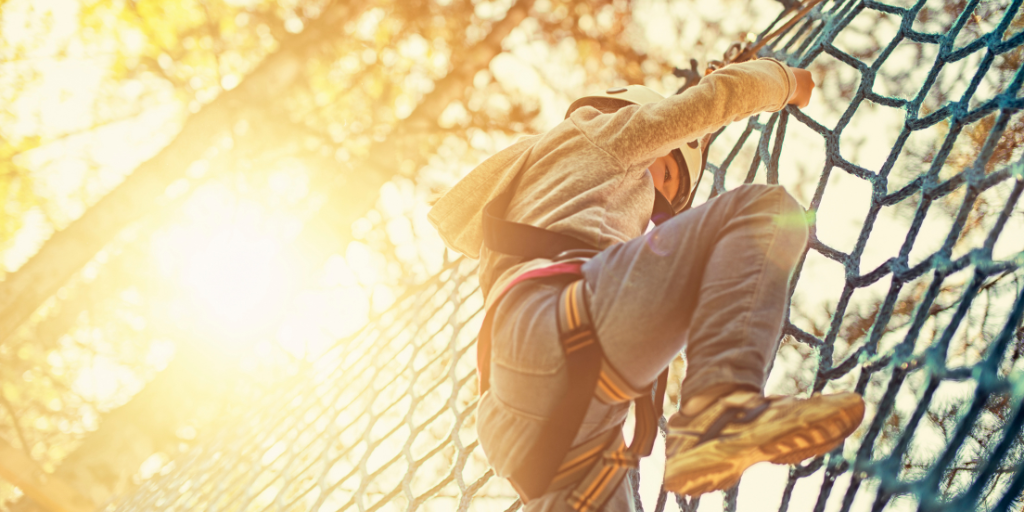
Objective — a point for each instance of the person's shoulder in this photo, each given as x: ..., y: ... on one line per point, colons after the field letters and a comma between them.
x: 584, y: 113
x: 588, y: 113
x: 597, y: 125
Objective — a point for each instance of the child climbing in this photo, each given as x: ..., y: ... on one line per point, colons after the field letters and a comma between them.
x: 587, y: 307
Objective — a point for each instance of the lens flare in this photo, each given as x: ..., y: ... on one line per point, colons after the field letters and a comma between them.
x: 239, y: 277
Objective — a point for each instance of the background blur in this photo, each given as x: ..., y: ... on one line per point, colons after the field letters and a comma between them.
x: 198, y: 198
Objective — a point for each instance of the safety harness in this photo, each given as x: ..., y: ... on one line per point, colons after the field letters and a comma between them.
x: 597, y: 466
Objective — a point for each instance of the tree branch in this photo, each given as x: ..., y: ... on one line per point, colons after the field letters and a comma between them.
x: 68, y: 250
x: 384, y: 158
x: 51, y: 493
x: 17, y: 424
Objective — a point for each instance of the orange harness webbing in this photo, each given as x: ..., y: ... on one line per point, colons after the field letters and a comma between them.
x: 597, y: 466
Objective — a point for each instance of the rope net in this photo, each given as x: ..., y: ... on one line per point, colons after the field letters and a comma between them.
x: 911, y: 293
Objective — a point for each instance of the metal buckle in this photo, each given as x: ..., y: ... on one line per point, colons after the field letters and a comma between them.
x: 575, y: 255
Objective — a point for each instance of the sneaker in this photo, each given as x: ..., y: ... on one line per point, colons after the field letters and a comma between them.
x: 710, y: 451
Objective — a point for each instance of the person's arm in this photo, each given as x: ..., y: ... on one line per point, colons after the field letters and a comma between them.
x: 804, y: 87
x: 730, y: 94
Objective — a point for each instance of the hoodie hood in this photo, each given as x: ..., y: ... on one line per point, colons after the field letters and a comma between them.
x: 458, y: 214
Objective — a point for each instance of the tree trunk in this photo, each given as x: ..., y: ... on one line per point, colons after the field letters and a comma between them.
x: 68, y: 250
x: 53, y: 494
x: 105, y: 463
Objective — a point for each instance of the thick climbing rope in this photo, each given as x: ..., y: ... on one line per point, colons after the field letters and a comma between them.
x: 739, y: 52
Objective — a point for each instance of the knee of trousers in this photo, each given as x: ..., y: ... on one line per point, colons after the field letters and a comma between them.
x: 793, y: 219
x: 789, y: 216
x: 771, y: 210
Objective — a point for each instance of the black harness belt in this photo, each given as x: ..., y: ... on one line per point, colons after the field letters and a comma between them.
x: 531, y: 242
x: 519, y: 239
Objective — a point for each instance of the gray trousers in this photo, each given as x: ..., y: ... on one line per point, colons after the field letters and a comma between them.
x: 713, y: 280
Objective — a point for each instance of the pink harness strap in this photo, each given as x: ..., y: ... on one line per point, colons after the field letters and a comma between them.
x: 483, y: 347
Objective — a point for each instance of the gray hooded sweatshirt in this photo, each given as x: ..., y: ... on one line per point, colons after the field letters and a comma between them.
x: 588, y: 176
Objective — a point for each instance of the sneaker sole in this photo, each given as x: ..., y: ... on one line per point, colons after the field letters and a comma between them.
x: 718, y: 465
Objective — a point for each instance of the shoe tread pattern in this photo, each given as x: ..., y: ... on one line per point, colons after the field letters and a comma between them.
x: 787, y: 431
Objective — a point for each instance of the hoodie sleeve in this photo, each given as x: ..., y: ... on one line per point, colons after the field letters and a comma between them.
x: 738, y: 91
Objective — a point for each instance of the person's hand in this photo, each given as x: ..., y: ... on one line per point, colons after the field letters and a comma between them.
x: 804, y: 86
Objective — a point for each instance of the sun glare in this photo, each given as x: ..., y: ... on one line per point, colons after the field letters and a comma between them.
x: 238, y: 276
x: 318, y: 318
x: 230, y: 266
x: 236, y: 280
